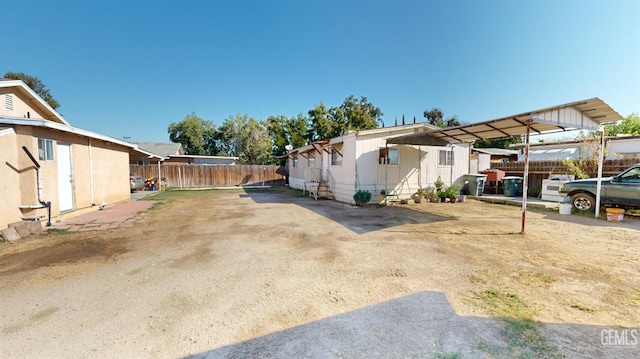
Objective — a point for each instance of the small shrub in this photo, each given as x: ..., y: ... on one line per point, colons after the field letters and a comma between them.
x: 362, y: 197
x: 432, y: 194
x: 453, y: 191
x: 438, y: 184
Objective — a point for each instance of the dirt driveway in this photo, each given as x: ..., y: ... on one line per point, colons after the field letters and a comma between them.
x: 268, y: 273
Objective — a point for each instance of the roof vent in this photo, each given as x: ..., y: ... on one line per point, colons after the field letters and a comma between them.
x: 8, y: 102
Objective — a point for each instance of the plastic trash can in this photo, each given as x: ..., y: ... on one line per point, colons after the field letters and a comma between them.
x: 512, y: 186
x: 476, y: 181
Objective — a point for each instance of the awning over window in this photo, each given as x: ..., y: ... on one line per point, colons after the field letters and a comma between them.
x: 419, y: 138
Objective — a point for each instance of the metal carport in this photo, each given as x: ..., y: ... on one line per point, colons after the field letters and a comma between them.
x: 588, y: 114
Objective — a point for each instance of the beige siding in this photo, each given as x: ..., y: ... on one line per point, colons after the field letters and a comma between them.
x: 303, y: 172
x: 9, y: 211
x: 109, y: 173
x: 345, y: 173
x: 20, y: 105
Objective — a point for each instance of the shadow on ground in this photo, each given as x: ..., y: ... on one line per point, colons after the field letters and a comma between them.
x: 421, y: 325
x: 358, y: 219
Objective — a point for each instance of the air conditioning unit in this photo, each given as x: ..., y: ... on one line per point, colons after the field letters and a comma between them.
x: 551, y: 187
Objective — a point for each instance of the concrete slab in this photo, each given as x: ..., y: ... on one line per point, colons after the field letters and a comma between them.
x: 35, y: 227
x: 27, y: 228
x: 10, y: 234
x: 116, y: 216
x: 21, y: 227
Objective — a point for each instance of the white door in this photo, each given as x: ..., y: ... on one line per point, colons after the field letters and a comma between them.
x: 65, y: 177
x: 325, y: 165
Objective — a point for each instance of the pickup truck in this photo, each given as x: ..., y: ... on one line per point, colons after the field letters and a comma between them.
x: 622, y: 190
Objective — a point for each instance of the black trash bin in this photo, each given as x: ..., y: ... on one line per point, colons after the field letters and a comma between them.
x: 475, y: 185
x: 512, y: 186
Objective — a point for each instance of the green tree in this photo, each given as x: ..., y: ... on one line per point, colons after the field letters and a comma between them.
x: 36, y: 85
x: 287, y: 131
x: 197, y: 136
x: 630, y: 125
x: 360, y: 114
x: 276, y: 125
x: 435, y: 116
x: 247, y: 138
x: 323, y: 126
x: 498, y: 143
x: 352, y: 114
x: 298, y: 131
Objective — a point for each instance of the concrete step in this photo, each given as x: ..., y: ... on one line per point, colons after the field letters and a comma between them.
x: 21, y: 230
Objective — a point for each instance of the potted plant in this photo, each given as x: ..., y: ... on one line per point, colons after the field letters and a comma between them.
x: 432, y: 194
x: 452, y: 192
x: 419, y: 195
x: 438, y: 184
x: 442, y: 195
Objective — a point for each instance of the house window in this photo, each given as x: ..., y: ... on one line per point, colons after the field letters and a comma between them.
x: 311, y: 160
x: 45, y: 149
x: 445, y: 158
x: 8, y: 101
x: 295, y: 161
x: 388, y: 155
x: 143, y: 162
x: 336, y: 157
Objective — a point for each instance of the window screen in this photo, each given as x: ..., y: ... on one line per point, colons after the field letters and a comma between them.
x: 445, y: 158
x: 45, y: 149
x: 388, y: 155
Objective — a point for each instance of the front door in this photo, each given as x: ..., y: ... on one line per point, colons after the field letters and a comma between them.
x: 65, y: 177
x: 325, y: 165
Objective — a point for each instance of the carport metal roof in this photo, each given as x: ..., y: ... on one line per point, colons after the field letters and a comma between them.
x: 586, y: 114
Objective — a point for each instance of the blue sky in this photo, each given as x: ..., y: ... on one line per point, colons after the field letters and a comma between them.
x: 130, y: 68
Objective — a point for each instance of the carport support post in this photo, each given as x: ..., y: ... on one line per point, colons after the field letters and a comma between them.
x: 599, y: 181
x: 159, y: 176
x: 525, y: 181
x: 386, y: 169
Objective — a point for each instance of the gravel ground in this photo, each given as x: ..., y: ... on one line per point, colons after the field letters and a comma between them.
x: 268, y: 273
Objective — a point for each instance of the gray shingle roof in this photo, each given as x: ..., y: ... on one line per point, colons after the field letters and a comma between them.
x: 164, y: 149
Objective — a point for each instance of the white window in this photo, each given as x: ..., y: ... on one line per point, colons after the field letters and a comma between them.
x: 295, y: 161
x: 8, y: 101
x: 336, y: 157
x: 311, y: 160
x: 45, y: 149
x: 143, y: 162
x: 445, y: 158
x: 388, y: 155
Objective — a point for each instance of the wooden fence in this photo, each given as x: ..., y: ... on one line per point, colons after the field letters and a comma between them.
x: 204, y: 176
x: 539, y: 170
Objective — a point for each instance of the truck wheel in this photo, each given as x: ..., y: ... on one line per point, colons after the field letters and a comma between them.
x: 583, y: 202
